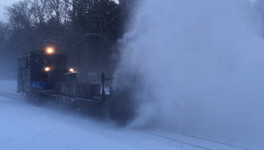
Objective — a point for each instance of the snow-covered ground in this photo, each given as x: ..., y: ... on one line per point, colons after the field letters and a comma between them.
x: 9, y: 86
x: 28, y: 127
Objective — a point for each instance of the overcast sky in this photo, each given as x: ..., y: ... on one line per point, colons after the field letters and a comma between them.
x: 3, y: 5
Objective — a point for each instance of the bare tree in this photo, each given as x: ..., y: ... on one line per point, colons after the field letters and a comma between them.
x: 20, y: 15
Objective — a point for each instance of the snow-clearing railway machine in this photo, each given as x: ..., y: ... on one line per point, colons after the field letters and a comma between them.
x: 43, y: 76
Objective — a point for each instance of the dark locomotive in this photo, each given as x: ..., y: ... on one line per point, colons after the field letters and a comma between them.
x: 44, y: 76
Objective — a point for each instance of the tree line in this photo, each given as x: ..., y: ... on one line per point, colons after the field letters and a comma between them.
x: 86, y: 30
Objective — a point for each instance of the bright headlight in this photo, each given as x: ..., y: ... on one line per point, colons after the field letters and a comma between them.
x: 47, y: 69
x: 72, y: 70
x: 50, y: 50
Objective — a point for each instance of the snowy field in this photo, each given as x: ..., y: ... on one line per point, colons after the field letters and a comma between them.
x: 8, y: 86
x: 28, y: 127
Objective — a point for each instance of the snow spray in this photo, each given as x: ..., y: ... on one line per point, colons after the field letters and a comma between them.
x: 201, y: 68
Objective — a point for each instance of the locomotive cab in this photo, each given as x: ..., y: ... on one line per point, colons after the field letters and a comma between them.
x: 41, y: 70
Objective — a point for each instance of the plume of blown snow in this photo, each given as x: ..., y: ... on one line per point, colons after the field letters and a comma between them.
x: 201, y: 68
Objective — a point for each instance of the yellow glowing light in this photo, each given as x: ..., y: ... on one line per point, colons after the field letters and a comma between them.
x: 47, y: 69
x: 50, y: 50
x: 72, y: 70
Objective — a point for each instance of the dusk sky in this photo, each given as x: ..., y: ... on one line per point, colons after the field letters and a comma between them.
x: 3, y: 5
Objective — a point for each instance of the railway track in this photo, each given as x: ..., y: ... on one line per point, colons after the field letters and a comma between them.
x: 196, y: 142
x: 11, y: 95
x: 197, y: 146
